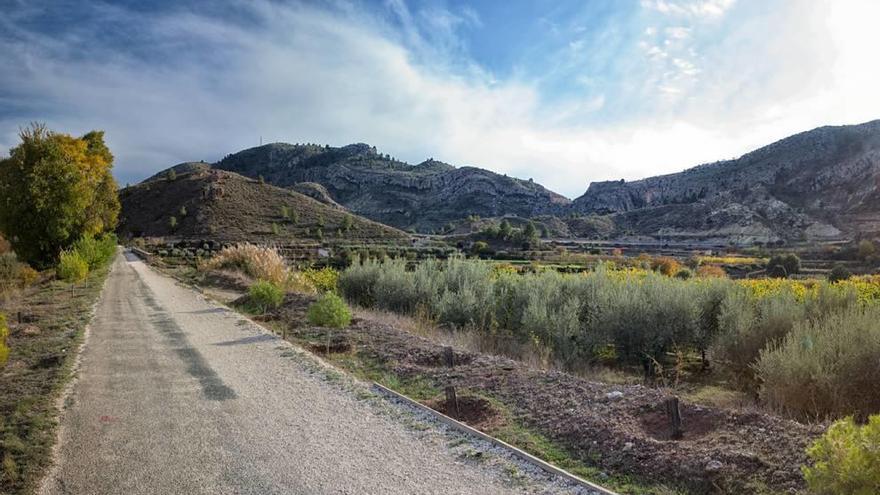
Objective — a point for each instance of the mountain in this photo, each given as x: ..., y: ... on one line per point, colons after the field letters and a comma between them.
x: 421, y: 197
x: 815, y: 185
x: 220, y: 205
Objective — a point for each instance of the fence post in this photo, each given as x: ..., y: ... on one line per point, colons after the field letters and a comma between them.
x: 452, y: 402
x: 673, y: 412
x: 448, y: 357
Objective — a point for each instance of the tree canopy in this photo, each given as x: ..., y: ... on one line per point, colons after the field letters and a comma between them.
x: 55, y: 189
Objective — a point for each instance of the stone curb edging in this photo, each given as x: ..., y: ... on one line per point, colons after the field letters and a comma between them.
x: 595, y: 489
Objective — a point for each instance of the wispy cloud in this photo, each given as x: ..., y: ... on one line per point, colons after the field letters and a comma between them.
x: 691, y: 8
x: 671, y: 85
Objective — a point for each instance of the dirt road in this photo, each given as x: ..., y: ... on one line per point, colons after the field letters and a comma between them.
x: 177, y: 395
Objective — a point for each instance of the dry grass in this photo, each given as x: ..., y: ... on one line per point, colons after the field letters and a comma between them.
x: 260, y: 263
x: 469, y: 339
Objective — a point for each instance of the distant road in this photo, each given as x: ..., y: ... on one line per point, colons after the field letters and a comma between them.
x: 176, y: 395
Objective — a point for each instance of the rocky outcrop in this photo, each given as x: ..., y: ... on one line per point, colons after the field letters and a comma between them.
x: 814, y: 185
x: 421, y: 197
x: 315, y: 191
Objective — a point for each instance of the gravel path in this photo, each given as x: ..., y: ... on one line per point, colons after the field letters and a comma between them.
x: 177, y: 395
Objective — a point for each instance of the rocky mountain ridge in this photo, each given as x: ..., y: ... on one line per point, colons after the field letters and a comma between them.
x: 814, y: 185
x: 421, y: 197
x: 817, y: 185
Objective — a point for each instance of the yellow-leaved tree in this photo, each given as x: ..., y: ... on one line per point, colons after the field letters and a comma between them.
x: 55, y: 189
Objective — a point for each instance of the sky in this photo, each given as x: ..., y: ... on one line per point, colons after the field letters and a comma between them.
x: 562, y: 91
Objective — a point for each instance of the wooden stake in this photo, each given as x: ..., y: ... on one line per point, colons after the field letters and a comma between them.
x: 673, y: 412
x: 452, y: 402
x: 448, y: 357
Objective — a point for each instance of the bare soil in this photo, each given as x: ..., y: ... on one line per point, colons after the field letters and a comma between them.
x: 621, y: 429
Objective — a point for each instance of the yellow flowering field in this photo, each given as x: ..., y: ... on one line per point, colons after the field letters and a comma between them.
x: 731, y: 260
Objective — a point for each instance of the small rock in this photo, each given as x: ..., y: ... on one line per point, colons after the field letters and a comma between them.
x: 628, y: 446
x: 615, y: 395
x: 713, y: 466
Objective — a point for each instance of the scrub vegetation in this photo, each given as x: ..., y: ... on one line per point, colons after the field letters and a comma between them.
x: 753, y: 332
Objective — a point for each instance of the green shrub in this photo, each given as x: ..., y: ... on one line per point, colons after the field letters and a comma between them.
x: 329, y: 311
x: 747, y: 326
x: 325, y: 279
x: 4, y: 332
x: 577, y: 318
x: 838, y: 273
x: 96, y: 251
x: 846, y: 460
x: 395, y: 289
x: 711, y: 301
x: 646, y: 318
x: 72, y: 267
x: 783, y: 265
x: 867, y: 249
x: 358, y: 282
x: 479, y: 247
x: 265, y: 295
x: 9, y: 266
x: 825, y: 368
x: 829, y: 299
x: 684, y: 274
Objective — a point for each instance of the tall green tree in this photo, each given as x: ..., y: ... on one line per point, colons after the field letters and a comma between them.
x: 54, y: 189
x: 530, y: 232
x: 504, y: 230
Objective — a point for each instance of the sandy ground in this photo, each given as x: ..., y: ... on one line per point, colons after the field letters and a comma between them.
x: 177, y: 395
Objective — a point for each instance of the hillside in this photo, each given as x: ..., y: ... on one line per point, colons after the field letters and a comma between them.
x: 422, y: 197
x: 814, y: 185
x: 223, y: 205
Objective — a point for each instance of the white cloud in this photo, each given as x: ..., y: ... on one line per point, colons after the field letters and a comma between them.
x: 303, y: 73
x: 690, y: 8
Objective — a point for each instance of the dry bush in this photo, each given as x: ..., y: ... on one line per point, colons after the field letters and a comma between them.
x: 711, y: 271
x: 666, y: 265
x: 259, y: 262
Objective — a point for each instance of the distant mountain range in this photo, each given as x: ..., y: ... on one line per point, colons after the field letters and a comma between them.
x: 820, y: 184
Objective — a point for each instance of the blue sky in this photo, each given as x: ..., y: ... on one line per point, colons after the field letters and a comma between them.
x: 565, y: 91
